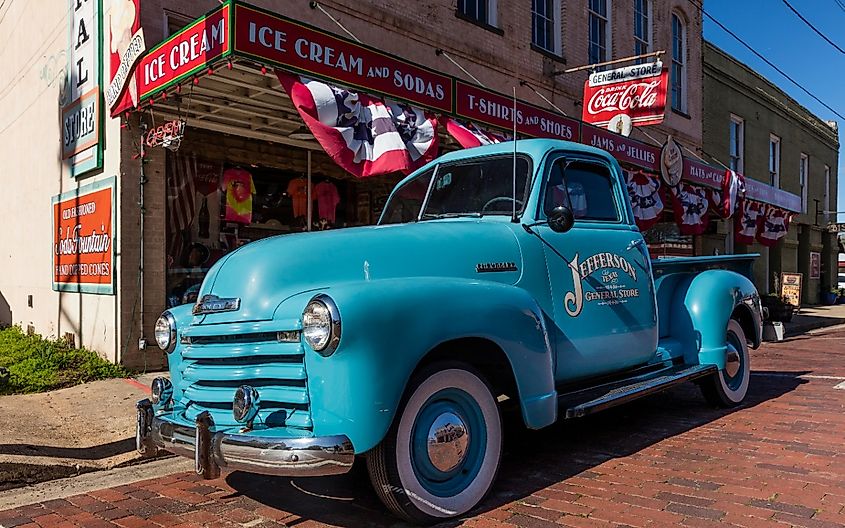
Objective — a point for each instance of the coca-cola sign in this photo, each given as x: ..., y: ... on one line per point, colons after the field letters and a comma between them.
x: 637, y: 91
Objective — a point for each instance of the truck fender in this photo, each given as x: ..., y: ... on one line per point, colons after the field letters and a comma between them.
x: 702, y: 306
x: 390, y: 325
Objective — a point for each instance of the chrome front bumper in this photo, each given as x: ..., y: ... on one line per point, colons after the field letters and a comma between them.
x: 213, y: 451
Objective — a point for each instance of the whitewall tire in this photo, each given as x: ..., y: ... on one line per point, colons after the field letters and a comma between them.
x: 441, y: 455
x: 728, y: 387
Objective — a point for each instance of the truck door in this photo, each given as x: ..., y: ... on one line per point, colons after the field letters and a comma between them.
x: 601, y: 285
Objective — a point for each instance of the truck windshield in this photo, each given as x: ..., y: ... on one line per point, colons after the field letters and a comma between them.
x: 474, y: 187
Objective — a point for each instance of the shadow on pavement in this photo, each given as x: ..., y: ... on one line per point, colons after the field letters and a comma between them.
x: 118, y: 447
x: 532, y: 460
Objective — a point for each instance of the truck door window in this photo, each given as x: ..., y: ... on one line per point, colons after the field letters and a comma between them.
x: 405, y: 204
x: 586, y: 188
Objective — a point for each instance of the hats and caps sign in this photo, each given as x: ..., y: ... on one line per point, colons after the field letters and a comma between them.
x: 82, y: 144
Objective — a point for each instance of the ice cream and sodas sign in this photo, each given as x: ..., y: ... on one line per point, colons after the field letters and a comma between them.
x: 83, y: 253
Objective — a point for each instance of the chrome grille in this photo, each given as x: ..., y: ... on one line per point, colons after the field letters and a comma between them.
x: 214, y: 366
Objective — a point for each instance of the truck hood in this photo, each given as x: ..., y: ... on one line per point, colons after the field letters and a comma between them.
x: 264, y: 273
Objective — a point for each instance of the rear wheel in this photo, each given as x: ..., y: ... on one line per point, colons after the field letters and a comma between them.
x: 441, y: 455
x: 728, y: 387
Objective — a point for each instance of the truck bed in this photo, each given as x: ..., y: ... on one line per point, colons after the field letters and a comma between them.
x: 741, y: 264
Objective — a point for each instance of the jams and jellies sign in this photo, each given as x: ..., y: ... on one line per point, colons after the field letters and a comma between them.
x: 307, y: 50
x: 625, y: 150
x: 185, y: 53
x: 483, y: 106
x: 81, y: 135
x: 83, y: 236
x: 637, y: 91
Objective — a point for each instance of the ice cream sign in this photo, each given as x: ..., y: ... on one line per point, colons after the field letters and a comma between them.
x: 127, y: 45
x: 186, y: 53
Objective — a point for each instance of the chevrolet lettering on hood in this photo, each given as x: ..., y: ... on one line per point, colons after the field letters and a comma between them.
x: 214, y: 304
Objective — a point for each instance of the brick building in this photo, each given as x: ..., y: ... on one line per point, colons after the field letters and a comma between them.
x: 238, y: 117
x: 757, y: 129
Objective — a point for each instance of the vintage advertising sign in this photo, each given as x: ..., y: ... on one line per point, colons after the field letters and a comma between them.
x: 126, y: 46
x: 815, y: 265
x: 83, y: 236
x: 483, y: 106
x: 81, y: 116
x: 757, y: 190
x: 309, y: 51
x: 185, y: 53
x: 80, y: 124
x: 703, y: 174
x: 637, y: 91
x: 790, y: 287
x: 625, y: 150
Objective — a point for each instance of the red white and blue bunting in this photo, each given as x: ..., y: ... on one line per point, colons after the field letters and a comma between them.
x: 644, y: 190
x: 365, y: 135
x: 690, y: 204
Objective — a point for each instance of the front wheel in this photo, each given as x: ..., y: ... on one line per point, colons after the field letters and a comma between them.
x: 728, y: 387
x: 440, y: 457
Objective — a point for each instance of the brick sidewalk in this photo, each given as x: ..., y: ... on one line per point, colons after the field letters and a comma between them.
x: 667, y: 460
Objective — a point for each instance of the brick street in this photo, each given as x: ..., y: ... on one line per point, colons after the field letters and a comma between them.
x: 666, y: 460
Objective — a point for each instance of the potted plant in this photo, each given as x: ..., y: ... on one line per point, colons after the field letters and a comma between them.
x: 831, y: 296
x: 779, y: 308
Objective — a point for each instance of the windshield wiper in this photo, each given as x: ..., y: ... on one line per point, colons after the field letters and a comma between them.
x: 450, y: 215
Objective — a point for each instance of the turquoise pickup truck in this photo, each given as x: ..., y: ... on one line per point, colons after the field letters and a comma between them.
x: 494, y: 277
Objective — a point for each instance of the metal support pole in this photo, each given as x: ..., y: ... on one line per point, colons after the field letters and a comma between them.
x: 610, y: 62
x: 308, y: 194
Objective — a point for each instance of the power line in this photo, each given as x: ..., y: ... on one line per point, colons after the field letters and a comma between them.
x: 814, y: 28
x: 841, y: 4
x: 764, y: 59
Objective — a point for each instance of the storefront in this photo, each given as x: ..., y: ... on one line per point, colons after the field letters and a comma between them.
x: 233, y: 112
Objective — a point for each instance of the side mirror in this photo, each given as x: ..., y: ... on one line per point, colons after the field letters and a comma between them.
x: 561, y: 219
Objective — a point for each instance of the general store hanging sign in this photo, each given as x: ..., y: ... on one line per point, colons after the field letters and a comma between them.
x: 637, y: 91
x: 83, y: 239
x: 82, y: 145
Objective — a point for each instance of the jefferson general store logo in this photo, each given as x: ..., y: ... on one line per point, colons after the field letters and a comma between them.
x: 609, y: 288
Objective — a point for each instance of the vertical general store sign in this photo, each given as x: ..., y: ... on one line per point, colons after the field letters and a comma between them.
x: 83, y: 239
x: 637, y: 91
x: 82, y: 142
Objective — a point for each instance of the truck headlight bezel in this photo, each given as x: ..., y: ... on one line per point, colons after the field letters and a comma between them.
x: 321, y: 325
x: 165, y: 332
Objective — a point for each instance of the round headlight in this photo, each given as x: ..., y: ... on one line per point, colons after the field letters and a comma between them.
x: 165, y: 332
x: 321, y: 325
x: 161, y: 391
x: 245, y: 404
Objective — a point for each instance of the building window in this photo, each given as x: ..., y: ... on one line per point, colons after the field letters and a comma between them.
x: 774, y: 161
x: 737, y: 140
x: 544, y: 25
x: 599, y: 24
x: 482, y: 12
x: 803, y: 180
x: 679, y: 54
x: 826, y: 201
x: 642, y: 28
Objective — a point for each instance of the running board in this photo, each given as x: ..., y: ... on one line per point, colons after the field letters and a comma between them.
x: 588, y: 401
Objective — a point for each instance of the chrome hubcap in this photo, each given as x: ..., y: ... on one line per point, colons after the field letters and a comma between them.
x: 448, y: 439
x: 732, y: 361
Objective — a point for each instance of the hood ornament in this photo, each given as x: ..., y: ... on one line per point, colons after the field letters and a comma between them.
x: 209, y: 304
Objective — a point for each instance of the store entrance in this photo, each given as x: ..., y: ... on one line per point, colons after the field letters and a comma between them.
x: 219, y: 199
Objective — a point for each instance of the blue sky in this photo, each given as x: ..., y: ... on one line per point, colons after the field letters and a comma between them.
x: 775, y: 32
